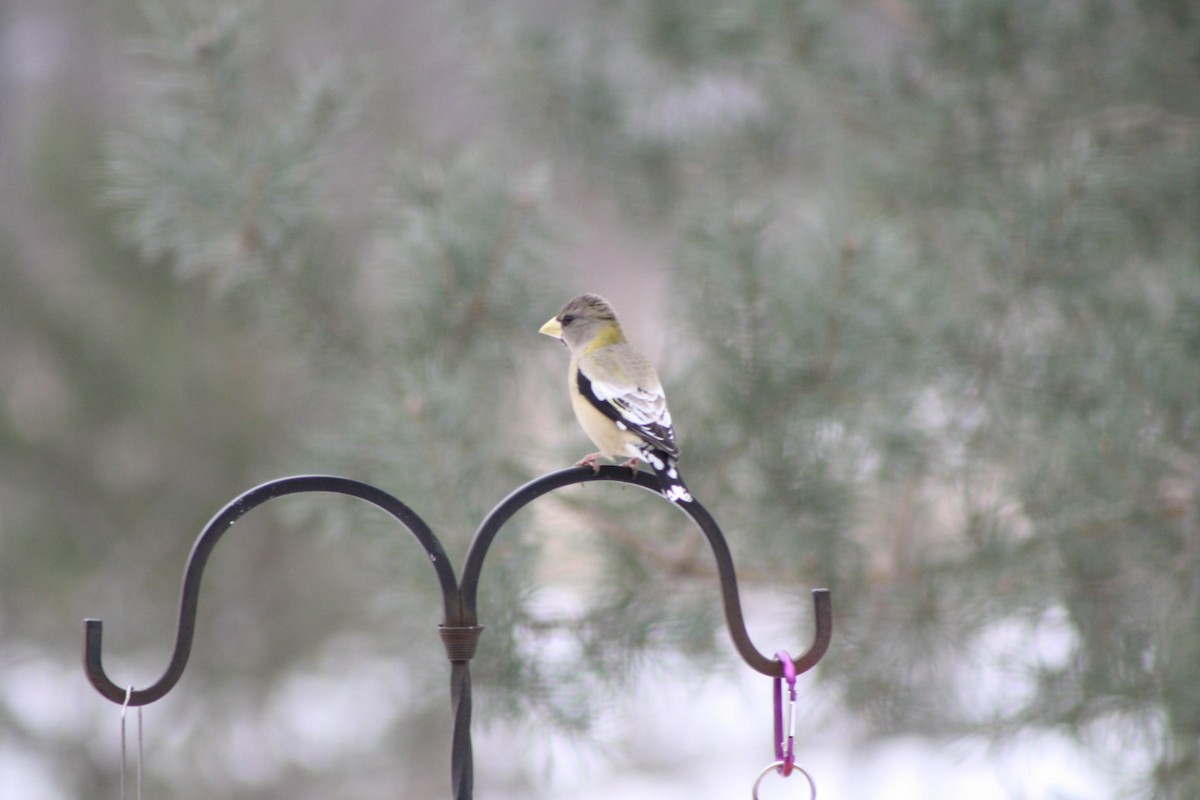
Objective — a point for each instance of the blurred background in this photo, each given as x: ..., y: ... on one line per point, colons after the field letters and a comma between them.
x: 922, y: 278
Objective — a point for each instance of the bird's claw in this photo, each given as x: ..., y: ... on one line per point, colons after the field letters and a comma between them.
x: 632, y: 464
x: 590, y: 461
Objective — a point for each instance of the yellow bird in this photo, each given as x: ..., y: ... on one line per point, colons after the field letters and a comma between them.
x: 615, y: 393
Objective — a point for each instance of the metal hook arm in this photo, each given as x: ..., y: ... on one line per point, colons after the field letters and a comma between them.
x: 524, y: 495
x: 207, y: 540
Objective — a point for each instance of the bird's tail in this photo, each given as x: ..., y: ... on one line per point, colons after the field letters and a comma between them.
x: 666, y: 469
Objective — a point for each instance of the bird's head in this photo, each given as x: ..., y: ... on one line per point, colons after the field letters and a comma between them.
x: 581, y: 320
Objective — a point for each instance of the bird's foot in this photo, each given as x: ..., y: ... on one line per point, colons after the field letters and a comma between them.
x: 590, y: 461
x: 632, y: 464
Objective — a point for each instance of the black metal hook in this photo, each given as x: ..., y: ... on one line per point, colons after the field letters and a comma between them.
x: 490, y: 527
x: 460, y: 629
x: 190, y: 594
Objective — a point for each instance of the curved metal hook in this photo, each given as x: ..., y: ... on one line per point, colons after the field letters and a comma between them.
x: 510, y: 505
x: 207, y: 540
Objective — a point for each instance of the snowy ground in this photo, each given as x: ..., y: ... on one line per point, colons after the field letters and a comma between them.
x: 674, y: 735
x: 671, y: 740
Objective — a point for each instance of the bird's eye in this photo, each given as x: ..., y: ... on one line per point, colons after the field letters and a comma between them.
x: 568, y: 319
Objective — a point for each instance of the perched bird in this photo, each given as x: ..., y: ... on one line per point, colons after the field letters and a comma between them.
x: 615, y: 394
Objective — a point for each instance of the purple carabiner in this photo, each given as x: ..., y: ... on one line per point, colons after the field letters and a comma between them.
x: 785, y: 748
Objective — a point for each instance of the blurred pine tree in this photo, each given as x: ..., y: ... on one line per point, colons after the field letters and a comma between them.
x: 933, y: 313
x: 937, y: 268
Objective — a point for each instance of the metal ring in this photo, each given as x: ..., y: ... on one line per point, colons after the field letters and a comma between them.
x: 776, y: 765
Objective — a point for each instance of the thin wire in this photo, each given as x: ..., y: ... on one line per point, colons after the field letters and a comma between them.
x: 139, y: 754
x: 140, y: 746
x: 124, y: 707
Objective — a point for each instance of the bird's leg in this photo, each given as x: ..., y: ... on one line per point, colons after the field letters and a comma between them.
x: 590, y: 461
x: 632, y: 464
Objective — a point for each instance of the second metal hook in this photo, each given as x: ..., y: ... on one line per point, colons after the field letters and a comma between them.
x: 190, y: 593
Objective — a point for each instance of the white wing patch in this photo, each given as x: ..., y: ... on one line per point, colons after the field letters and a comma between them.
x: 641, y: 410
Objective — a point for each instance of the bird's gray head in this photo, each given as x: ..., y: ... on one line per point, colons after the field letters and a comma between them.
x: 581, y: 319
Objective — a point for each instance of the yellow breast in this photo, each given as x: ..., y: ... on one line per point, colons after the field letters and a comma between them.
x: 608, y: 438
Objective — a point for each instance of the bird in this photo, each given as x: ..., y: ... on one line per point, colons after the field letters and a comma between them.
x: 616, y: 394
